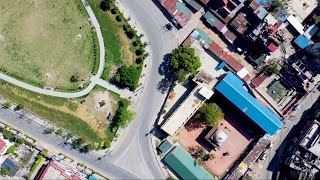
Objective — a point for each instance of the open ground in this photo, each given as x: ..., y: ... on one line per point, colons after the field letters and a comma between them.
x: 46, y: 42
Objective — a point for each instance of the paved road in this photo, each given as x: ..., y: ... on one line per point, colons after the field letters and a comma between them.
x: 135, y: 152
x: 272, y: 162
x: 54, y: 142
x: 94, y: 81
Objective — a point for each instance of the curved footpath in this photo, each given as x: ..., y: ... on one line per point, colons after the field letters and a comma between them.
x: 94, y: 79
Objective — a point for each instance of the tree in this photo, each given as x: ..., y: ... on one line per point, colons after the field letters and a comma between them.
x: 19, y: 107
x: 76, y: 144
x: 184, y: 61
x: 74, y: 78
x: 8, y: 135
x: 59, y: 132
x: 122, y: 117
x: 279, y: 6
x: 127, y: 76
x: 211, y: 113
x: 86, y: 148
x: 20, y: 141
x: 271, y: 67
x: 4, y: 171
x: 11, y: 149
x: 181, y: 75
x: 316, y: 19
x: 107, y: 5
x: 7, y: 105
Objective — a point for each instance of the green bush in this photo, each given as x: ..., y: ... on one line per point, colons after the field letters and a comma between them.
x: 122, y: 117
x: 8, y: 135
x: 139, y: 51
x: 4, y: 171
x: 59, y: 132
x: 11, y: 149
x: 38, y: 161
x: 127, y: 76
x: 19, y: 107
x: 20, y: 141
x: 7, y: 105
x: 119, y: 17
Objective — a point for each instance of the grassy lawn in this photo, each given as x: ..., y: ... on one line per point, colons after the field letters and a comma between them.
x: 80, y: 116
x: 118, y: 47
x: 46, y: 42
x: 276, y: 90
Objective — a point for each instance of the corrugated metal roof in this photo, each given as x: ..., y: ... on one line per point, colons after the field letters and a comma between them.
x: 232, y: 88
x: 311, y: 31
x: 185, y: 166
x: 213, y: 21
x: 165, y: 146
x: 194, y: 4
x: 296, y: 24
x: 302, y: 41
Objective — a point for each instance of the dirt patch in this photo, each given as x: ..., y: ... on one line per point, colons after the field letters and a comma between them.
x: 102, y: 102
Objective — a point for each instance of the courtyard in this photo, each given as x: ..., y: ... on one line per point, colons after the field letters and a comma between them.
x: 240, y: 133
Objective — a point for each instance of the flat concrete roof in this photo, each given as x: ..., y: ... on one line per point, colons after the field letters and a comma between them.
x: 184, y: 112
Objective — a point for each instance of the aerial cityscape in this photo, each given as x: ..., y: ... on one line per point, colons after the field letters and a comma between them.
x: 160, y: 89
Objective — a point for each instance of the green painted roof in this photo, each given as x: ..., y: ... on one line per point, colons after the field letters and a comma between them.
x: 165, y: 146
x: 185, y: 166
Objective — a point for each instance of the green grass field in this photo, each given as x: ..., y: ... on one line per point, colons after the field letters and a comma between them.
x: 45, y: 42
x: 117, y: 45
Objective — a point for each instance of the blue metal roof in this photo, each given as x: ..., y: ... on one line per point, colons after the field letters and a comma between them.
x: 302, y: 41
x: 232, y: 88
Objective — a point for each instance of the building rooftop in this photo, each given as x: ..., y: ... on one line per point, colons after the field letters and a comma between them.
x: 184, y: 112
x: 240, y: 23
x: 194, y: 4
x: 295, y: 23
x: 165, y: 146
x: 54, y: 170
x: 3, y: 146
x: 311, y: 31
x: 302, y: 41
x: 178, y: 10
x: 213, y: 20
x: 184, y: 165
x: 259, y: 10
x: 232, y: 88
x: 12, y: 166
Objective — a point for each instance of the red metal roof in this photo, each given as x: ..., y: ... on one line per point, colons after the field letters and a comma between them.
x: 57, y: 167
x: 258, y: 80
x: 223, y: 55
x: 3, y: 145
x: 205, y: 1
x: 272, y: 47
x: 188, y: 41
x: 240, y: 23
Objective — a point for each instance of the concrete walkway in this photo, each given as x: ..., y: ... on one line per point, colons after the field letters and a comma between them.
x: 94, y: 80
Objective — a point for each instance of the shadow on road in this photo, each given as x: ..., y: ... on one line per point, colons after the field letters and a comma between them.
x: 164, y: 70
